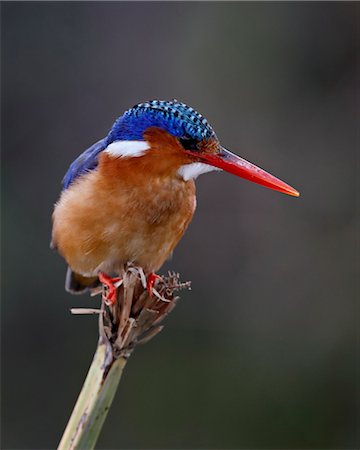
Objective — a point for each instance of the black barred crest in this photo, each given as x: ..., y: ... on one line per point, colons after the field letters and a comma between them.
x: 177, y: 118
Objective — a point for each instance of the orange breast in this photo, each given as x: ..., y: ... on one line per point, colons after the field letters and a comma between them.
x: 125, y: 211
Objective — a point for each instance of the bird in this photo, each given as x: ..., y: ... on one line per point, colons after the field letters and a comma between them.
x: 129, y: 198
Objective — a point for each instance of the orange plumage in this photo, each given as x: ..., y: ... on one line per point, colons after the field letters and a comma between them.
x: 127, y: 210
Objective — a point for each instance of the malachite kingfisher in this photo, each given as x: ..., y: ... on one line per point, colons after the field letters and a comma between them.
x: 129, y: 198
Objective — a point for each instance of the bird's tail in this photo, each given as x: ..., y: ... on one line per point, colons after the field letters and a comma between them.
x: 78, y: 284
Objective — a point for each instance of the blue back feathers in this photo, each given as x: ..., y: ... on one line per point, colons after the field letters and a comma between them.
x: 87, y: 161
x: 175, y: 117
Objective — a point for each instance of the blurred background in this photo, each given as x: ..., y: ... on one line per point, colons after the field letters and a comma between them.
x: 262, y: 353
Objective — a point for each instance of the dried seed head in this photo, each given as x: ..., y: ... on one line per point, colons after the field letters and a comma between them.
x: 136, y: 316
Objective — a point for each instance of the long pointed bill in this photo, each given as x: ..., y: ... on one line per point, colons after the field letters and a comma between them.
x: 232, y: 163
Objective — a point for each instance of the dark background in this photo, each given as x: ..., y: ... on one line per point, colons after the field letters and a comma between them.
x: 262, y: 353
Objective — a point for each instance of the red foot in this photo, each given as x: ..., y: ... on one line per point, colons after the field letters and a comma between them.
x: 111, y: 295
x: 151, y: 281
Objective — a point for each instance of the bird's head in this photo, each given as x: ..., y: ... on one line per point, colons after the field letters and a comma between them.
x: 176, y: 125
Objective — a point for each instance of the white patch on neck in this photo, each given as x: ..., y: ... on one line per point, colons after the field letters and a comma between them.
x: 127, y: 149
x: 193, y: 170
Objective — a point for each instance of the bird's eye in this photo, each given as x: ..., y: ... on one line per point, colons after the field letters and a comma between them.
x: 189, y: 143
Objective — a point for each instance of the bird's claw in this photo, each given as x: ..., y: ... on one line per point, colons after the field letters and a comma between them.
x: 111, y: 285
x: 151, y: 280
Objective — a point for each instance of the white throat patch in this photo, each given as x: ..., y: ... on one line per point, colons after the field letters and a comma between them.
x: 193, y: 170
x: 127, y: 149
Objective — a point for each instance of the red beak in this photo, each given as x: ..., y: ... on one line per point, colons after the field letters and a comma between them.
x: 232, y: 163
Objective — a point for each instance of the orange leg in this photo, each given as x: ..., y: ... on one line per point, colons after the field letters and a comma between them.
x: 111, y: 295
x: 152, y: 277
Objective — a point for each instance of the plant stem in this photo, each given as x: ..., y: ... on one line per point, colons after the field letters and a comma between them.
x: 96, y: 396
x: 132, y: 320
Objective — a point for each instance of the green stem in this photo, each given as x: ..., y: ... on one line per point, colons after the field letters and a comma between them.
x: 96, y: 396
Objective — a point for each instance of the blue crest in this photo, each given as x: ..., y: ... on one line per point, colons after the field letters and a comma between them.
x: 175, y: 117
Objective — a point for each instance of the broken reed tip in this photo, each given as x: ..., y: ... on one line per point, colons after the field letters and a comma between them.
x: 136, y: 315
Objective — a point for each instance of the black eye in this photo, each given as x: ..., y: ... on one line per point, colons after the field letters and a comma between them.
x: 189, y: 143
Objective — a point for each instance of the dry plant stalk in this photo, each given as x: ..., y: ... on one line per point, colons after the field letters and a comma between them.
x: 134, y: 319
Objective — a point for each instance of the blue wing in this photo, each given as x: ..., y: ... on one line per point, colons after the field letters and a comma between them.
x: 87, y: 161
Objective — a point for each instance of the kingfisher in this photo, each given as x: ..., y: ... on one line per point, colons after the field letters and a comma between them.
x: 129, y: 198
